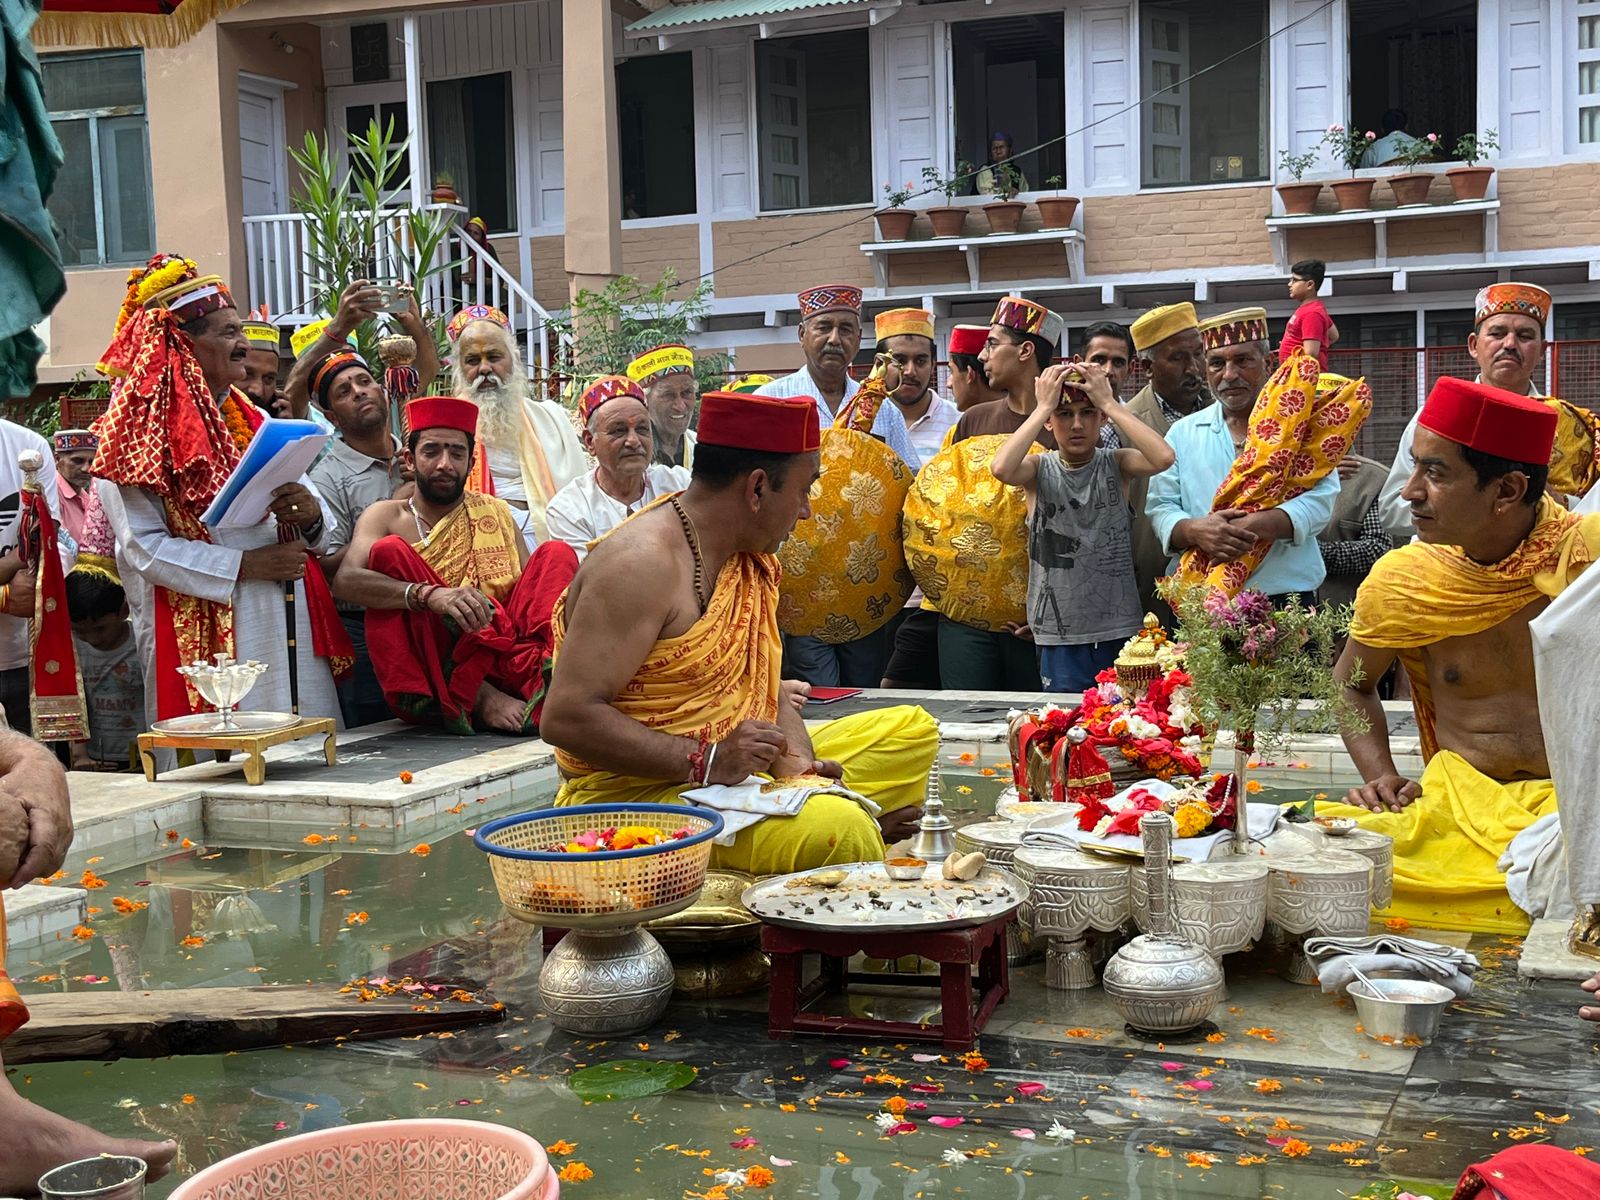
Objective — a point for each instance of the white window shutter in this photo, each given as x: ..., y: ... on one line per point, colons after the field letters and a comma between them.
x: 728, y: 94
x: 1313, y: 82
x: 913, y: 59
x: 1523, y: 120
x: 1110, y: 80
x: 549, y: 169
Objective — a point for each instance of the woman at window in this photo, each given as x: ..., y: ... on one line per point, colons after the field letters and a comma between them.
x: 989, y: 179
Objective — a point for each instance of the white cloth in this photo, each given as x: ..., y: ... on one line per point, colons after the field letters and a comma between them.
x: 744, y: 804
x: 928, y: 431
x: 889, y: 424
x: 582, y: 511
x: 1535, y: 867
x: 1261, y: 819
x: 14, y: 439
x: 563, y: 452
x: 149, y: 556
x: 1566, y: 645
x: 1335, y: 958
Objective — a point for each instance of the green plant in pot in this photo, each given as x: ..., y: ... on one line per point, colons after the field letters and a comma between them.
x: 1471, y: 180
x: 894, y: 219
x: 1349, y: 145
x: 1057, y: 211
x: 948, y: 219
x: 1298, y: 197
x: 1411, y: 186
x: 1004, y: 210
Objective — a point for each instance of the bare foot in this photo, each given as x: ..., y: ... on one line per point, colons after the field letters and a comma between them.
x: 899, y: 823
x: 34, y: 1140
x: 497, y: 711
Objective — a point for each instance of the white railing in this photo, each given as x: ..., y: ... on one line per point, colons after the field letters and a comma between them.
x: 283, y: 277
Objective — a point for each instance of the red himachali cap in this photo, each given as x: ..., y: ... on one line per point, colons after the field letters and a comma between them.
x: 968, y: 339
x: 773, y: 424
x: 1490, y: 420
x: 442, y: 412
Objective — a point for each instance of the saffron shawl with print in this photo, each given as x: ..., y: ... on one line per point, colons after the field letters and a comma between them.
x: 720, y: 671
x: 1421, y: 594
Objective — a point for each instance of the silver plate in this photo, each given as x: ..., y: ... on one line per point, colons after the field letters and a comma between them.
x: 210, y: 724
x: 847, y: 907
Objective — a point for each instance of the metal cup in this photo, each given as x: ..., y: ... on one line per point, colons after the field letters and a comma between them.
x: 108, y: 1177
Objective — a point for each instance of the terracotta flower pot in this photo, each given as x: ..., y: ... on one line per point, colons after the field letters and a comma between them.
x: 948, y: 219
x: 1352, y: 194
x: 1056, y: 212
x: 1469, y: 183
x: 1410, y: 187
x: 1299, y: 198
x: 894, y: 224
x: 444, y: 194
x: 1004, y: 215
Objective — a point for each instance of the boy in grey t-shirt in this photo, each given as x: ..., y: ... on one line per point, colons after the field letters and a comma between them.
x: 1083, y: 599
x: 113, y: 682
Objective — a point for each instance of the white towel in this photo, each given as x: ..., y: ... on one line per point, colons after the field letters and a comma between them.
x: 744, y: 804
x: 1535, y: 866
x: 1337, y: 958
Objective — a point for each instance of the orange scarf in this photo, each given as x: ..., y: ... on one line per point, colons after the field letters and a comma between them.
x: 1421, y: 594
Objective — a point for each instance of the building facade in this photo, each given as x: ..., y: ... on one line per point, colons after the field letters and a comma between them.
x: 748, y: 142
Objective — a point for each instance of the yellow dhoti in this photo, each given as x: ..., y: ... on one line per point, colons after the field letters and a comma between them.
x: 1447, y: 842
x: 724, y: 670
x: 885, y: 753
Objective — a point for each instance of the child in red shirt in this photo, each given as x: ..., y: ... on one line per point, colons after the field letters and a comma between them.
x: 1310, y: 327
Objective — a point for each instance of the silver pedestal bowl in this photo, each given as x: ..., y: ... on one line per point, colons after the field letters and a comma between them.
x: 607, y: 976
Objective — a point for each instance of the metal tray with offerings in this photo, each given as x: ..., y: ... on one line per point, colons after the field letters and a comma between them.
x: 859, y: 895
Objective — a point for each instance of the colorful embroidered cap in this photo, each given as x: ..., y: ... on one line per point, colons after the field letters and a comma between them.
x: 193, y: 298
x: 1490, y: 419
x: 607, y: 387
x: 67, y: 441
x: 669, y: 359
x: 898, y: 321
x: 1234, y: 328
x: 475, y: 312
x: 330, y: 369
x: 774, y: 424
x: 442, y: 412
x: 1525, y: 298
x: 968, y: 339
x: 830, y: 297
x: 1157, y: 325
x: 1024, y: 316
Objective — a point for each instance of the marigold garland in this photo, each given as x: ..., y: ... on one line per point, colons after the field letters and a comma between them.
x: 238, y: 427
x: 160, y: 273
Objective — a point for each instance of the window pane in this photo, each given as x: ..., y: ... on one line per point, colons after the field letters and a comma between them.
x: 1589, y: 32
x: 469, y: 137
x: 1588, y: 78
x: 74, y: 81
x: 1589, y: 125
x: 125, y: 190
x: 655, y: 115
x: 1009, y: 77
x: 72, y: 202
x: 814, y: 117
x: 1214, y: 128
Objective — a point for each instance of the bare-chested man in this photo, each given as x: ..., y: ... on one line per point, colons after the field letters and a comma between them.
x: 458, y: 614
x: 667, y: 660
x: 1454, y: 608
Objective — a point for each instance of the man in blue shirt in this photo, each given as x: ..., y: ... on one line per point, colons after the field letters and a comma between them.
x: 830, y: 335
x: 1206, y: 443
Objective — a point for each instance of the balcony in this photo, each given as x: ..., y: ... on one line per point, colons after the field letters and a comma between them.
x: 1280, y: 227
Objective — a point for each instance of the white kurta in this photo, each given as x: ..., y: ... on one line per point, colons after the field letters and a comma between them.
x: 582, y: 511
x: 558, y: 438
x: 148, y: 556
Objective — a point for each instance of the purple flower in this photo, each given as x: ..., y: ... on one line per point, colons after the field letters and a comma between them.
x: 1253, y: 606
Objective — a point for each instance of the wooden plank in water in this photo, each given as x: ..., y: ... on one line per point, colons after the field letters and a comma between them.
x: 106, y: 1025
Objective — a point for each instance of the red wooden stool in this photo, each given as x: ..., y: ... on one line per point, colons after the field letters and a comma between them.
x: 962, y: 1013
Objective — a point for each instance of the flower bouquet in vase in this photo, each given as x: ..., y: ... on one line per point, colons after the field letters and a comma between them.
x: 1252, y: 667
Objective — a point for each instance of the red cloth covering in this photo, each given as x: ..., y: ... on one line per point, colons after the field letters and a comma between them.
x: 1491, y: 419
x: 430, y: 674
x: 1531, y: 1172
x: 773, y: 424
x: 56, y: 703
x: 442, y: 412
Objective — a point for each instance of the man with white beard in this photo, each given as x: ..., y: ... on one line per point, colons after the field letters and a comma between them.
x: 528, y: 448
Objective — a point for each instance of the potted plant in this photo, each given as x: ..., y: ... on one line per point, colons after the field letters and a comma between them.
x: 894, y: 220
x: 948, y: 219
x: 444, y: 189
x: 1005, y: 211
x: 1056, y: 212
x: 1298, y: 198
x: 1471, y: 182
x: 1349, y: 145
x: 1411, y: 186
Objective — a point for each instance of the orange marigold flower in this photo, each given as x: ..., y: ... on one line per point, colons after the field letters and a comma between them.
x: 313, y: 839
x: 1216, y: 1037
x: 575, y: 1172
x: 896, y: 1105
x: 973, y: 1061
x: 1344, y: 1147
x: 1295, y: 1148
x: 91, y: 881
x: 758, y: 1177
x: 1080, y: 1032
x: 186, y: 844
x: 1159, y: 1151
x: 1267, y: 1086
x: 192, y: 941
x: 188, y: 1097
x: 1397, y: 924
x: 173, y: 835
x: 1262, y: 1032
x: 356, y: 918
x: 405, y: 776
x: 422, y: 849
x: 1253, y: 786
x: 1199, y: 1158
x: 1250, y: 1160
x: 123, y: 905
x: 82, y: 932
x: 562, y: 1147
